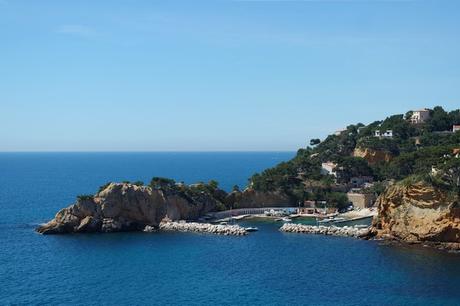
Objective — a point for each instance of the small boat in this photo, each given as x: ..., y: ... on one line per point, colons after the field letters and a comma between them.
x: 332, y: 220
x: 223, y: 223
x: 251, y: 229
x: 278, y: 219
x: 326, y: 220
x: 286, y: 219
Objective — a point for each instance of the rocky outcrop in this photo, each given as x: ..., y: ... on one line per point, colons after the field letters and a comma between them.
x: 251, y: 198
x: 418, y: 213
x: 345, y: 231
x: 128, y: 207
x: 372, y: 156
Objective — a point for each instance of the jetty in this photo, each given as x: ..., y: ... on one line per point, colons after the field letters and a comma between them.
x: 219, y: 229
x: 345, y: 231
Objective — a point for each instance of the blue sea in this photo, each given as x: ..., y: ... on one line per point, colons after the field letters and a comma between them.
x: 265, y: 268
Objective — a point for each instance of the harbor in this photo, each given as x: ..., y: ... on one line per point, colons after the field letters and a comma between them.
x: 292, y: 214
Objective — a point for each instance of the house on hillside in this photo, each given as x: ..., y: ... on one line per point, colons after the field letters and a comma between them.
x: 328, y: 168
x: 361, y: 200
x: 384, y: 134
x: 338, y: 132
x: 456, y: 152
x: 455, y: 128
x: 420, y: 116
x: 309, y: 208
x: 358, y: 182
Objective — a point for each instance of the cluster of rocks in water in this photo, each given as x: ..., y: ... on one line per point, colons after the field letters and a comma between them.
x: 345, y: 231
x: 219, y: 229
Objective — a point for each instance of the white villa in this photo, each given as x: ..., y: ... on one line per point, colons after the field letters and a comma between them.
x: 338, y: 132
x: 328, y: 168
x: 420, y: 116
x: 387, y: 133
x: 455, y: 128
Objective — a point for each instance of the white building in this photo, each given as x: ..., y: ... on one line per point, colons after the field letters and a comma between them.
x: 420, y: 116
x: 339, y: 132
x: 387, y: 133
x: 455, y: 128
x: 328, y: 168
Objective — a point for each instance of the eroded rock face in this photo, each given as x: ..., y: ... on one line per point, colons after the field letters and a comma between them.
x: 126, y: 207
x: 372, y: 156
x: 418, y: 213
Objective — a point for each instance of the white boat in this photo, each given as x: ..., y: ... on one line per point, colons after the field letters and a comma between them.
x: 251, y: 229
x: 286, y: 219
x: 328, y: 220
x: 332, y: 220
x: 338, y: 220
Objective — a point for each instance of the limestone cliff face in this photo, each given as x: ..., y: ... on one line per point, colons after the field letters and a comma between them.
x: 418, y: 213
x: 372, y: 156
x: 124, y: 207
x: 251, y: 198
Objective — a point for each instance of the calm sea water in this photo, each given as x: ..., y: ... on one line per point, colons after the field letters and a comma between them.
x: 264, y: 268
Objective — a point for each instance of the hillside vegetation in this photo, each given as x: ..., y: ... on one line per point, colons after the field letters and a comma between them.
x: 413, y: 150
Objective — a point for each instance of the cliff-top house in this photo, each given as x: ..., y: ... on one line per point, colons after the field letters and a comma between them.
x: 420, y: 116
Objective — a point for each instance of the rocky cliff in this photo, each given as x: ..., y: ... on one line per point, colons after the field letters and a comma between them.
x: 126, y: 207
x: 372, y: 156
x: 418, y: 213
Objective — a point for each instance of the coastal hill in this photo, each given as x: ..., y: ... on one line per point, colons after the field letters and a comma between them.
x: 380, y: 153
x: 391, y: 158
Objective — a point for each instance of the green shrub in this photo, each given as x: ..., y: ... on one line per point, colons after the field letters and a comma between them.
x: 85, y: 197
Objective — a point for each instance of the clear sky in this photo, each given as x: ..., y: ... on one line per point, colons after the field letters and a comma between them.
x: 217, y: 75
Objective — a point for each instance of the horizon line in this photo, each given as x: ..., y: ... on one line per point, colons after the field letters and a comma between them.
x: 152, y: 151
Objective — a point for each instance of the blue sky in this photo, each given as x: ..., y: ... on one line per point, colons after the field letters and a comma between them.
x: 217, y: 75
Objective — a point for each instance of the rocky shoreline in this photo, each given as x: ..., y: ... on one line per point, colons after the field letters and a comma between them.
x: 227, y: 230
x: 345, y: 231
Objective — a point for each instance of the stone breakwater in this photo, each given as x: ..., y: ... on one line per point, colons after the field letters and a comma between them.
x: 346, y: 231
x: 233, y: 230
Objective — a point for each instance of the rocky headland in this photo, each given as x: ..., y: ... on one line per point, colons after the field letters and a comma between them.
x: 129, y: 207
x: 418, y: 213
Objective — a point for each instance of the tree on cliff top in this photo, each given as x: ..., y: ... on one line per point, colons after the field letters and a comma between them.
x: 162, y: 182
